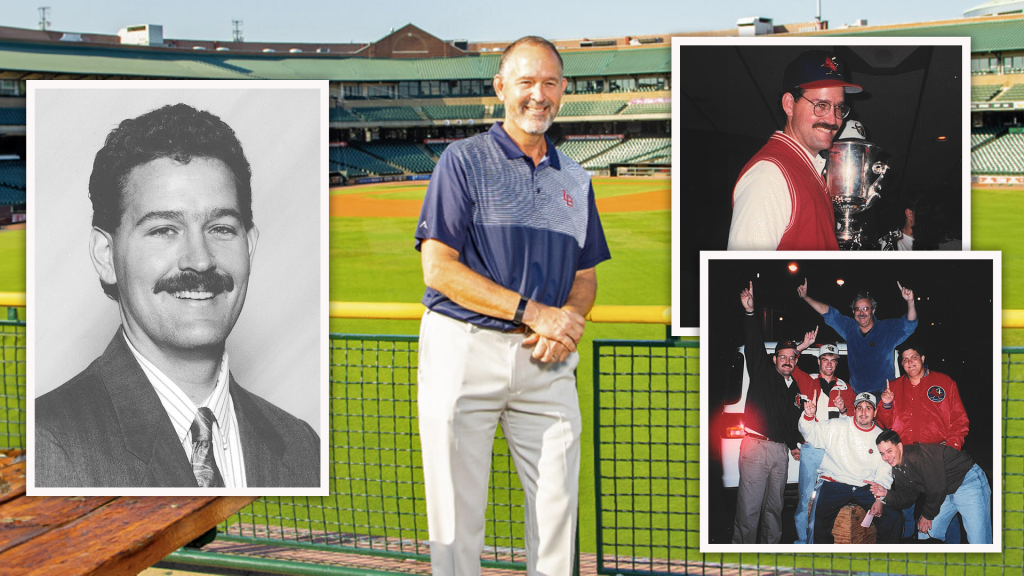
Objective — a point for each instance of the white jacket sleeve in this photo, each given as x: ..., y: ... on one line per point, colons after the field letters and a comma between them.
x: 761, y: 209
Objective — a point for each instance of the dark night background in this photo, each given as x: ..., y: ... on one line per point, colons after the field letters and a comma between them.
x: 729, y: 105
x: 954, y: 303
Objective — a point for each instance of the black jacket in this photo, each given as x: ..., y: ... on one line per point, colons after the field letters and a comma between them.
x: 770, y: 407
x: 106, y: 427
x: 933, y: 469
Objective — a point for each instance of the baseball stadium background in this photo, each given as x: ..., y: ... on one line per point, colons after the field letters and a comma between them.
x: 396, y: 104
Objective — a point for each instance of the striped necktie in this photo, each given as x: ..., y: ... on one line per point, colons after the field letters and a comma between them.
x: 203, y: 464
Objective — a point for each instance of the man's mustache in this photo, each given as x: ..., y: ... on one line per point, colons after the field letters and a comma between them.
x: 826, y: 125
x: 189, y: 281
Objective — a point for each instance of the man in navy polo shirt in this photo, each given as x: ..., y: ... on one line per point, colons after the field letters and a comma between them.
x: 509, y: 238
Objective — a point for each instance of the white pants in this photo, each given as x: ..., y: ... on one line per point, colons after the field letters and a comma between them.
x: 469, y: 380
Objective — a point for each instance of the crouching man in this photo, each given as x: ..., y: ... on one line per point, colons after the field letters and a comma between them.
x: 949, y: 479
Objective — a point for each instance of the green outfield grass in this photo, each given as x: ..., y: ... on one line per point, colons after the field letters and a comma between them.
x: 996, y: 225
x: 373, y: 259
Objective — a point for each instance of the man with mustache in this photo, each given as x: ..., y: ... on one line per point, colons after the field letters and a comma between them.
x: 870, y: 343
x: 509, y: 237
x: 172, y: 241
x: 770, y: 434
x: 850, y: 467
x: 780, y: 201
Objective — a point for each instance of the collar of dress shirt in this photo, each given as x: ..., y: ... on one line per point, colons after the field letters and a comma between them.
x: 181, y: 410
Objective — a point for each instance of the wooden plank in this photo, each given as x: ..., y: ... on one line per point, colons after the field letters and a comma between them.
x: 25, y: 518
x: 12, y: 482
x: 8, y: 456
x: 123, y: 537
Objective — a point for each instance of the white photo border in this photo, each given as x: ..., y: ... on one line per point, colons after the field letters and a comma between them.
x: 705, y: 439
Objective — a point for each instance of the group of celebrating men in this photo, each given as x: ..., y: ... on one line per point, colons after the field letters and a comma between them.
x: 886, y: 445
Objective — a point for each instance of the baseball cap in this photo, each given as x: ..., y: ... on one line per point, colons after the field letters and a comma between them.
x: 865, y: 396
x: 786, y: 344
x: 828, y: 349
x: 817, y: 69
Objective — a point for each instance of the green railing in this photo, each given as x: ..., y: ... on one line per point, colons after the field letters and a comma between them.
x: 646, y: 446
x: 377, y: 501
x: 12, y: 380
x: 646, y: 454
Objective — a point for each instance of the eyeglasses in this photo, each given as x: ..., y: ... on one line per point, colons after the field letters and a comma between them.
x: 841, y: 110
x: 862, y: 309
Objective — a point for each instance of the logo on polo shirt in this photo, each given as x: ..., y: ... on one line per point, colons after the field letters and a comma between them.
x: 567, y: 197
x: 936, y: 394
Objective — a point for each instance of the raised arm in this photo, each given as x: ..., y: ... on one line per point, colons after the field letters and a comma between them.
x: 809, y: 338
x: 819, y: 307
x: 908, y: 295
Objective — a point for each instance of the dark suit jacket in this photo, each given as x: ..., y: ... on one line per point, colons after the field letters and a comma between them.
x: 107, y: 427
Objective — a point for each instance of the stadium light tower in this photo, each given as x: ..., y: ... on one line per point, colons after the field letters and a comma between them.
x: 236, y: 33
x: 44, y: 22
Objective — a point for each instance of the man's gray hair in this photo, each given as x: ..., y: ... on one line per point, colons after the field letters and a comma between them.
x: 863, y: 296
x: 535, y: 41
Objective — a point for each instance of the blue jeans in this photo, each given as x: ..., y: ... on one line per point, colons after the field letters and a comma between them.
x: 972, y: 500
x: 810, y: 459
x: 832, y: 496
x: 910, y: 527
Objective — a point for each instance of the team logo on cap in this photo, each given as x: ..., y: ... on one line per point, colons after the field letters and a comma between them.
x: 832, y: 64
x: 936, y: 394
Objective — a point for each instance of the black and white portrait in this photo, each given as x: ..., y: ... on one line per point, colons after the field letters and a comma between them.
x: 177, y: 288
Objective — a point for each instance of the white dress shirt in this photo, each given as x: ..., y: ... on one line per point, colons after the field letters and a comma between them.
x: 227, y: 443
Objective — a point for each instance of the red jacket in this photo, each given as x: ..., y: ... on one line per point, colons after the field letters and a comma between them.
x: 930, y: 412
x: 809, y: 384
x: 812, y: 224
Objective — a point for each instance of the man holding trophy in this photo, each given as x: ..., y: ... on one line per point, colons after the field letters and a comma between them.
x: 781, y: 201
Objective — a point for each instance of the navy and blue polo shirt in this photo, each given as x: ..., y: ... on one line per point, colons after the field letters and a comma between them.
x: 527, y: 228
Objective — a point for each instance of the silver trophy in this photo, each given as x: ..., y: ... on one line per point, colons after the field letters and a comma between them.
x: 854, y: 180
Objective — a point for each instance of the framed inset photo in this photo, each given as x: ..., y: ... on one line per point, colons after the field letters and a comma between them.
x: 816, y: 143
x: 177, y: 288
x: 834, y: 387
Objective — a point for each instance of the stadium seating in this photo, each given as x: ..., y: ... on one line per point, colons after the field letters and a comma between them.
x: 499, y: 111
x: 984, y: 93
x: 12, y: 116
x: 648, y: 108
x: 591, y: 108
x: 1014, y: 93
x: 342, y: 115
x: 455, y: 112
x: 583, y: 150
x: 629, y: 151
x: 9, y: 196
x: 387, y: 114
x: 353, y: 158
x: 1003, y: 155
x: 406, y: 155
x: 985, y: 134
x: 12, y: 175
x: 437, y: 148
